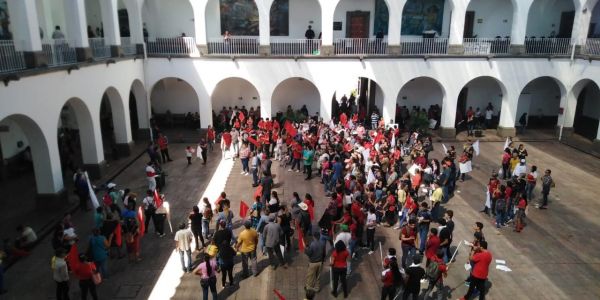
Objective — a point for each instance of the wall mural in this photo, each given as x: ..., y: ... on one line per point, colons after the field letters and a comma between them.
x: 422, y: 15
x: 5, y: 33
x: 382, y: 17
x: 239, y: 17
x: 280, y: 18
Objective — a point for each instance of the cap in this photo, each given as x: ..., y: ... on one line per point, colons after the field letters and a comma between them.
x: 303, y: 206
x: 110, y: 185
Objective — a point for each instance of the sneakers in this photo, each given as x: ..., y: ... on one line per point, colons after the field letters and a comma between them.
x: 243, y: 173
x: 297, y: 171
x: 289, y: 170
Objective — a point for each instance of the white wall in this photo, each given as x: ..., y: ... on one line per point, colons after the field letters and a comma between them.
x: 174, y: 95
x: 213, y: 19
x: 544, y: 16
x: 545, y: 97
x: 496, y: 17
x: 422, y: 92
x: 592, y: 102
x: 352, y: 5
x: 168, y: 18
x: 229, y: 92
x: 9, y: 140
x: 296, y: 92
x: 301, y: 12
x: 483, y: 91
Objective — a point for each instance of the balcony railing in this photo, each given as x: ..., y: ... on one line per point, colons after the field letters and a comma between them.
x: 350, y: 46
x: 295, y: 47
x: 127, y: 47
x: 59, y: 52
x: 185, y: 46
x: 559, y: 46
x: 592, y: 47
x: 99, y: 49
x: 419, y: 46
x: 10, y: 59
x: 238, y: 45
x: 486, y: 46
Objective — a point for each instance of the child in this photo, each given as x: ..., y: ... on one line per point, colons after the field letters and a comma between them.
x: 520, y: 213
x: 188, y: 154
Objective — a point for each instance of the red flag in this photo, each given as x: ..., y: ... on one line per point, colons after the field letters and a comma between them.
x: 300, y: 239
x: 311, y: 212
x: 258, y: 192
x: 253, y: 141
x: 241, y: 117
x: 291, y: 130
x: 72, y: 258
x: 243, y: 209
x: 118, y: 239
x: 157, y: 199
x: 140, y: 217
x: 279, y: 295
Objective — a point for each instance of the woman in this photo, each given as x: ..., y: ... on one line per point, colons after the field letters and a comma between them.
x: 207, y: 271
x: 99, y: 249
x: 207, y: 215
x: 274, y: 202
x: 195, y: 218
x: 506, y: 164
x: 531, y: 180
x: 390, y: 277
x: 522, y: 152
x: 339, y: 262
x: 226, y: 255
x: 245, y: 157
x: 285, y: 221
x: 84, y: 273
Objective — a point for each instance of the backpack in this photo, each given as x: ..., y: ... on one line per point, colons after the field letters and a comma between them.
x: 207, y: 214
x: 433, y: 270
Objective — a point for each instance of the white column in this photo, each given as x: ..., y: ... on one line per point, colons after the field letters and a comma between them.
x: 389, y: 105
x: 395, y: 8
x: 457, y: 21
x: 136, y: 27
x: 569, y: 105
x: 508, y: 110
x: 581, y: 25
x: 449, y: 103
x: 199, y: 7
x: 110, y: 22
x: 76, y: 23
x: 519, y: 23
x: 327, y: 12
x: 326, y: 94
x: 264, y: 23
x: 23, y: 15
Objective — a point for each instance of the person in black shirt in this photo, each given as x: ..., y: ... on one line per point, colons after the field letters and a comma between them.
x: 450, y: 225
x: 309, y: 34
x: 196, y: 220
x: 414, y: 274
x: 445, y: 240
x: 223, y: 235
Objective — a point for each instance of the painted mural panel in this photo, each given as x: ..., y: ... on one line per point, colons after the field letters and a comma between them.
x: 239, y: 17
x: 422, y: 15
x: 5, y: 33
x: 280, y: 18
x: 382, y: 17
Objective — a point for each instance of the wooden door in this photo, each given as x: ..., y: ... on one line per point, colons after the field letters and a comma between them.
x: 566, y: 24
x: 357, y: 24
x: 469, y: 23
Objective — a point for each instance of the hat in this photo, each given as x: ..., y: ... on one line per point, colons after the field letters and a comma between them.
x: 303, y: 206
x: 110, y: 185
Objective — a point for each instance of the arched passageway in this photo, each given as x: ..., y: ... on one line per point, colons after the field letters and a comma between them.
x: 419, y: 104
x: 587, y: 112
x: 481, y: 99
x: 174, y: 104
x: 538, y: 104
x: 295, y: 96
x: 232, y: 94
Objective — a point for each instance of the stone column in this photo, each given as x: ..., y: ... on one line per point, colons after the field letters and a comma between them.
x: 581, y: 24
x: 136, y: 27
x: 447, y: 122
x: 395, y: 25
x: 519, y: 26
x: 457, y: 27
x: 327, y: 12
x: 110, y: 21
x: 264, y: 26
x: 199, y: 7
x: 508, y: 114
x: 77, y: 29
x: 23, y: 15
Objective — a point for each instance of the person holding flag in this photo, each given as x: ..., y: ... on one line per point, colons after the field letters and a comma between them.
x: 246, y: 245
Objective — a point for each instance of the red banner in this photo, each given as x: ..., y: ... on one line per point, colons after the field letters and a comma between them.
x: 243, y: 209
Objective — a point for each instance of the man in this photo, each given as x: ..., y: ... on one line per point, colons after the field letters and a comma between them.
x: 308, y: 156
x: 254, y: 167
x: 151, y: 176
x: 272, y: 233
x: 414, y: 274
x: 226, y: 140
x: 520, y: 169
x: 163, y: 144
x: 374, y: 120
x: 57, y: 34
x: 309, y: 34
x: 183, y: 242
x: 149, y: 210
x: 436, y: 271
x: 408, y: 236
x: 470, y: 121
x: 480, y: 259
x: 547, y: 184
x: 267, y: 184
x: 444, y: 239
x: 246, y: 245
x: 316, y: 255
x: 424, y: 219
x: 436, y: 200
x: 448, y: 215
x: 433, y: 245
x: 82, y: 189
x: 60, y: 274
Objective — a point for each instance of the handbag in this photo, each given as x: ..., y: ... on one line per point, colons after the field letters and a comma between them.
x: 96, y: 276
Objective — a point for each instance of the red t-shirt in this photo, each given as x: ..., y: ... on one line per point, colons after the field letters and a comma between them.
x: 433, y: 244
x: 522, y: 204
x: 482, y: 262
x: 388, y: 278
x: 227, y: 139
x: 339, y: 200
x: 339, y: 259
x: 407, y: 232
x: 391, y: 201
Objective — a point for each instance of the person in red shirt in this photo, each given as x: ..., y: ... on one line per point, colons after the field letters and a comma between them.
x: 408, y: 236
x: 432, y: 246
x: 481, y: 260
x: 163, y: 144
x: 338, y: 263
x: 297, y: 156
x: 438, y: 282
x: 210, y: 137
x: 390, y: 209
x: 84, y: 272
x: 521, y: 206
x: 390, y: 277
x: 226, y: 140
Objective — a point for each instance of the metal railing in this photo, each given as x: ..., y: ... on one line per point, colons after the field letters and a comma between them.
x: 173, y: 46
x: 10, y: 59
x: 238, y: 45
x: 417, y: 46
x: 99, y: 48
x: 485, y: 46
x: 561, y: 46
x: 127, y: 47
x: 59, y: 52
x: 368, y: 46
x: 592, y: 47
x: 287, y: 47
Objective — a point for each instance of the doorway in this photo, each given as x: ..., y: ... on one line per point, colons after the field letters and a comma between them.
x: 469, y: 23
x: 566, y: 24
x: 357, y: 24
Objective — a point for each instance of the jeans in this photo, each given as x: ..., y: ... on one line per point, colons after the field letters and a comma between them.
x: 445, y: 193
x: 308, y: 171
x: 197, y: 232
x: 189, y: 257
x: 261, y: 243
x: 505, y: 171
x: 85, y: 286
x: 296, y: 162
x: 159, y: 223
x: 408, y: 251
x: 371, y: 239
x: 212, y: 284
x: 435, y: 211
x: 252, y: 257
x: 255, y: 176
x: 529, y: 191
x: 275, y: 252
x: 245, y: 167
x: 439, y: 287
x: 205, y: 227
x: 339, y: 274
x: 149, y: 215
x: 227, y: 269
x: 545, y: 199
x: 164, y: 153
x: 102, y: 268
x: 478, y: 284
x: 236, y: 149
x: 62, y: 290
x: 500, y: 217
x: 423, y: 237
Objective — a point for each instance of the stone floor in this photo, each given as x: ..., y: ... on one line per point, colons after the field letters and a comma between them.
x: 555, y: 257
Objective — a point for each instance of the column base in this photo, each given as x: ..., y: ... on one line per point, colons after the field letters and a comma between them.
x: 447, y: 132
x: 264, y: 50
x: 142, y: 134
x: 566, y: 133
x: 517, y: 49
x: 124, y: 149
x: 506, y: 131
x: 456, y: 49
x: 95, y: 171
x: 327, y: 50
x: 35, y: 59
x: 55, y: 200
x: 139, y: 49
x: 203, y: 49
x: 116, y: 51
x: 394, y: 49
x: 83, y: 54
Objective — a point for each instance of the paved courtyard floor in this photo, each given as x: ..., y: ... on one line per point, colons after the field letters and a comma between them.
x: 555, y: 257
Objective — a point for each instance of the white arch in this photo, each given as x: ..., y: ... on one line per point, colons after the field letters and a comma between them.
x: 295, y: 96
x: 141, y: 101
x: 242, y: 93
x: 90, y: 136
x: 120, y: 116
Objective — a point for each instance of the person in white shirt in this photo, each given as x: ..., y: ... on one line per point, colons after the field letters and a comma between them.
x: 26, y: 238
x: 520, y: 169
x: 371, y: 225
x: 489, y: 114
x: 151, y: 176
x: 183, y: 242
x: 57, y: 34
